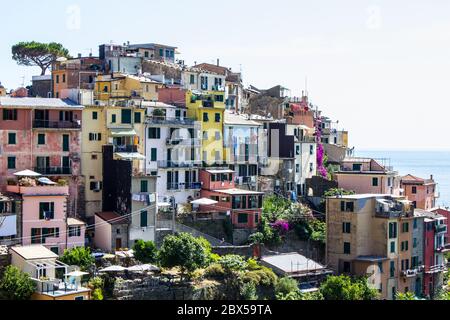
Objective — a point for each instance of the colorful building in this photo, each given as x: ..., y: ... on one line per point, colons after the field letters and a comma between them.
x: 208, y: 108
x: 10, y: 219
x: 371, y: 235
x: 422, y: 192
x: 44, y: 215
x: 45, y: 135
x: 365, y: 175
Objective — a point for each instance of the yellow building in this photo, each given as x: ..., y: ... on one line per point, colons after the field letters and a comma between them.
x: 121, y: 86
x: 93, y: 138
x: 208, y: 108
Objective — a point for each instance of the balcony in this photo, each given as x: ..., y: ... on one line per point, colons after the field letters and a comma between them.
x: 436, y: 269
x: 47, y: 124
x: 184, y: 186
x: 410, y: 273
x: 179, y: 164
x: 126, y: 148
x: 170, y: 121
x: 444, y: 248
x: 181, y: 141
x: 53, y: 171
x: 207, y: 104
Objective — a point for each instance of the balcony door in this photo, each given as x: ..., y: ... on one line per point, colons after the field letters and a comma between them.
x: 43, y: 164
x: 66, y: 165
x: 41, y: 118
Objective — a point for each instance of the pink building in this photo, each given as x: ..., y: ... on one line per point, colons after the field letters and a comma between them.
x: 43, y: 135
x: 365, y: 175
x: 44, y: 216
x: 422, y: 192
x: 244, y: 206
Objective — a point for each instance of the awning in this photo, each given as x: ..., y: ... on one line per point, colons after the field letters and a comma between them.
x: 113, y: 269
x: 27, y: 173
x: 124, y: 133
x: 204, y: 202
x: 130, y: 156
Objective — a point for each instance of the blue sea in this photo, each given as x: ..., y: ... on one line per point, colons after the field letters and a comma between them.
x: 421, y: 164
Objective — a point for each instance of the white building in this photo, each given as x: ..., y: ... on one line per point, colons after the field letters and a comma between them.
x: 172, y: 149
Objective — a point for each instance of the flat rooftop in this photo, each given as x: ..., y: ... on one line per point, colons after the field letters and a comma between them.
x: 292, y: 263
x: 234, y: 192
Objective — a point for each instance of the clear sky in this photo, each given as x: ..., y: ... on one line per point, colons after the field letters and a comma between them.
x: 381, y: 68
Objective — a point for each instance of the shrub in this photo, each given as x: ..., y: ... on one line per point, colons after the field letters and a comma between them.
x: 252, y: 264
x: 248, y: 291
x: 184, y: 251
x: 96, y: 283
x: 405, y: 296
x: 16, y: 285
x: 253, y: 277
x: 256, y: 238
x: 267, y: 276
x: 286, y: 286
x: 197, y: 275
x: 233, y: 262
x: 78, y: 256
x: 345, y: 288
x: 215, y: 271
x: 97, y: 294
x: 145, y: 251
x: 214, y: 257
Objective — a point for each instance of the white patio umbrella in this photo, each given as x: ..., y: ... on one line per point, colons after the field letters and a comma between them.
x: 113, y: 269
x: 27, y: 173
x: 76, y: 273
x: 204, y: 202
x: 143, y: 267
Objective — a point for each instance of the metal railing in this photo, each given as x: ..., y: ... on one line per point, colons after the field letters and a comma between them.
x: 184, y: 186
x: 178, y: 164
x: 47, y: 124
x: 126, y: 148
x: 174, y: 121
x: 53, y: 170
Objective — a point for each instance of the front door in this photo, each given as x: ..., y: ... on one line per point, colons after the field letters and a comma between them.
x: 118, y: 244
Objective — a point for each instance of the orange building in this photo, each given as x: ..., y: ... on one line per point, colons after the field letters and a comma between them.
x: 422, y: 192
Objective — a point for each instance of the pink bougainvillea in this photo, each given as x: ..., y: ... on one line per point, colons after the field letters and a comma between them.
x: 320, y: 153
x: 281, y: 225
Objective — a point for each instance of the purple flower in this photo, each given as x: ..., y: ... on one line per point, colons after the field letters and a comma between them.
x: 281, y: 225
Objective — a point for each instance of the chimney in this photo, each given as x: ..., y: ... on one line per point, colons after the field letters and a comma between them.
x: 431, y: 177
x: 218, y: 62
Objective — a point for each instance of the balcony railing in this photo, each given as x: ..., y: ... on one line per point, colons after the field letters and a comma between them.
x: 436, y: 268
x: 441, y: 228
x: 126, y: 148
x: 179, y: 164
x: 168, y: 121
x: 47, y: 124
x: 208, y: 104
x: 184, y: 186
x: 53, y: 170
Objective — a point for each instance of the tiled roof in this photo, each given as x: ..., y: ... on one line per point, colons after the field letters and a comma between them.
x: 409, y: 178
x: 112, y: 217
x: 39, y: 102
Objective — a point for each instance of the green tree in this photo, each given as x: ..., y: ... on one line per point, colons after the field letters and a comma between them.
x: 16, y: 285
x: 145, y: 251
x: 286, y: 286
x: 248, y: 291
x: 345, y: 288
x: 405, y: 296
x: 38, y: 54
x: 184, y: 251
x: 78, y: 256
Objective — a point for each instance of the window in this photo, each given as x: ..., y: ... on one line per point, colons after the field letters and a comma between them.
x: 144, y: 220
x: 218, y: 136
x: 75, y: 231
x: 380, y: 266
x: 414, y: 262
x: 256, y: 218
x: 392, y: 230
x: 357, y: 167
x: 297, y: 168
x: 11, y: 138
x: 347, y: 206
x: 346, y: 227
x: 347, y: 248
x: 205, y: 135
x: 10, y: 114
x: 154, y: 154
x: 41, y: 139
x: 192, y: 79
x: 218, y: 98
x: 217, y: 119
x: 146, y: 54
x: 126, y: 116
x: 144, y: 186
x: 392, y: 270
x: 11, y: 162
x: 414, y: 190
x: 414, y: 242
x: 243, y: 218
x: 65, y: 142
x: 154, y: 133
x: 405, y: 227
x: 64, y: 78
x: 95, y: 136
x: 113, y: 118
x: 392, y: 247
x: 57, y: 78
x: 137, y: 117
x: 79, y: 298
x: 347, y: 268
x: 404, y: 245
x: 297, y: 150
x: 46, y: 210
x: 94, y: 115
x: 311, y: 149
x: 96, y: 185
x: 205, y: 117
x: 375, y: 182
x: 55, y: 250
x: 415, y: 224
